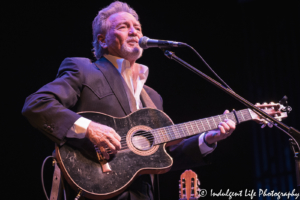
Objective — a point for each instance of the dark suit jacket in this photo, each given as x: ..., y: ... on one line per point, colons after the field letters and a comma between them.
x: 82, y: 86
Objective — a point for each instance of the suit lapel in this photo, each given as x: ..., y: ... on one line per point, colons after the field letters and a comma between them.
x: 114, y: 80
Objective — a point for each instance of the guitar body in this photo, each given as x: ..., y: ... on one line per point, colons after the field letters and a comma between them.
x: 80, y: 165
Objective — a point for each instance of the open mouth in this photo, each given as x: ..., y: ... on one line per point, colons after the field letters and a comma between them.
x: 132, y: 42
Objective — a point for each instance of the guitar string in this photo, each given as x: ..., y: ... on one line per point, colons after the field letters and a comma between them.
x: 138, y: 142
x: 192, y: 127
x: 124, y: 146
x: 149, y: 135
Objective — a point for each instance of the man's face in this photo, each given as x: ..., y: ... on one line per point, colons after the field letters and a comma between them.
x: 123, y: 36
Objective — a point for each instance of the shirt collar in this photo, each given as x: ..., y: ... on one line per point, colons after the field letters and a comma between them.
x: 121, y: 64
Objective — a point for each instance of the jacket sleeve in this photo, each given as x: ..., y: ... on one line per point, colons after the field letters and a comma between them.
x: 48, y: 108
x: 186, y: 154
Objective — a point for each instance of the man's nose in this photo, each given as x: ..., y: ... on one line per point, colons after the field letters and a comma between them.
x: 132, y: 31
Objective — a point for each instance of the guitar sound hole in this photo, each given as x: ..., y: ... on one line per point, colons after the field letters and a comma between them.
x: 142, y: 140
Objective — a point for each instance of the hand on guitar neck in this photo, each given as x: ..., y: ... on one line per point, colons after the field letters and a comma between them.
x: 224, y: 130
x: 103, y: 136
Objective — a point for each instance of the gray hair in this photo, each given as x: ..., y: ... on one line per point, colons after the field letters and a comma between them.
x: 100, y: 25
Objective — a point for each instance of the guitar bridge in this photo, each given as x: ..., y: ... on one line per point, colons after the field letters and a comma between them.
x: 103, y: 162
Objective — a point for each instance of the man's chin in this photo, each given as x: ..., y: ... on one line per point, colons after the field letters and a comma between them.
x: 133, y: 57
x: 132, y: 54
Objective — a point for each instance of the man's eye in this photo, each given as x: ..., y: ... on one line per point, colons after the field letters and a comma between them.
x: 122, y: 27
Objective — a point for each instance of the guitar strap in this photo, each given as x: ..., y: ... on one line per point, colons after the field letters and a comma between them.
x: 147, y: 100
x: 57, y: 188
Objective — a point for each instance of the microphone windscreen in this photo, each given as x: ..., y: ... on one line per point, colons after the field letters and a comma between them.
x: 143, y: 42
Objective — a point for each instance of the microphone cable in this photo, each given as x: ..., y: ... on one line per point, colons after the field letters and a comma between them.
x: 208, y: 66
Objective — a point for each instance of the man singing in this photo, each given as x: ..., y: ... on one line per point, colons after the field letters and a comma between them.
x: 113, y: 85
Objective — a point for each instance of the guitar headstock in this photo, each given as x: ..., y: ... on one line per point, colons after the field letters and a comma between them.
x: 189, y: 186
x: 276, y: 110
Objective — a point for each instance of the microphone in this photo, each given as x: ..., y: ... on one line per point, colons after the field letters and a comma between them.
x: 146, y: 43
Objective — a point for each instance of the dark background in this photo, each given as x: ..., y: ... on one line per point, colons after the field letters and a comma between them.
x: 253, y: 45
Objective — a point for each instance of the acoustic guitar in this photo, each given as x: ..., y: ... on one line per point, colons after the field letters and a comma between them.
x: 144, y: 136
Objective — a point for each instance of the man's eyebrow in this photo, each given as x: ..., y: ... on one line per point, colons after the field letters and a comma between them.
x: 137, y: 24
x: 125, y: 21
x: 122, y: 22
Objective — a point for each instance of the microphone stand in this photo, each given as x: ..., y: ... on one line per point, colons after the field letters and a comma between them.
x: 290, y: 131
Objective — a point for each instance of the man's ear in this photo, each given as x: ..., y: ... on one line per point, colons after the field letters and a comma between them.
x: 102, y: 42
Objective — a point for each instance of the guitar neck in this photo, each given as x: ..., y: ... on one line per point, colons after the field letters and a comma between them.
x: 178, y: 131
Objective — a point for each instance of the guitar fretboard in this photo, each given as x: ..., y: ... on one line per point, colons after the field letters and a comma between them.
x: 178, y: 131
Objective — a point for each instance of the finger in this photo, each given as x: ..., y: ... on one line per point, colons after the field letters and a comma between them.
x: 111, y: 146
x: 230, y: 123
x: 225, y: 126
x: 116, y: 135
x: 115, y: 142
x: 226, y: 111
x: 222, y: 130
x: 108, y: 139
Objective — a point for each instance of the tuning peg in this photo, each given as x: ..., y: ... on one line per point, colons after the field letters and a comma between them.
x: 257, y: 104
x: 272, y: 103
x: 284, y: 101
x: 179, y: 186
x: 263, y: 126
x: 198, y: 182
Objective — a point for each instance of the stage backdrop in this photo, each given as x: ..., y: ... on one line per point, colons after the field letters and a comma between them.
x: 252, y: 45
